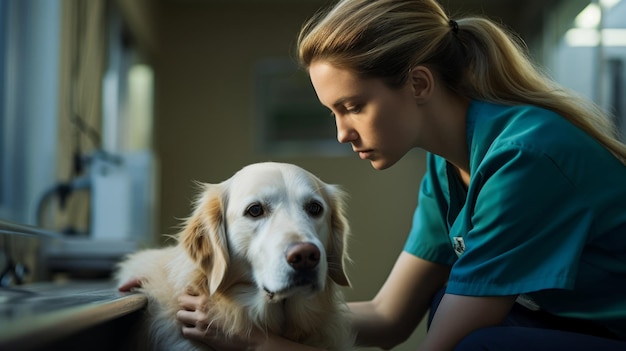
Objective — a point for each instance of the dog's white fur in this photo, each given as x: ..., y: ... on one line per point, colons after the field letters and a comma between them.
x: 239, y: 260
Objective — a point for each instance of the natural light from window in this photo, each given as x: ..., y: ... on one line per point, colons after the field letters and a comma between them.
x: 587, y: 30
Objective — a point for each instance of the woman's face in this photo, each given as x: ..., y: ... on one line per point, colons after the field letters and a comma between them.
x: 381, y: 123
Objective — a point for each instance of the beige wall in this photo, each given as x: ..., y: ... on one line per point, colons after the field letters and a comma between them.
x: 204, y: 61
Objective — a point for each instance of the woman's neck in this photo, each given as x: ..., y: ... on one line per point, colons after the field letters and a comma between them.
x: 449, y: 140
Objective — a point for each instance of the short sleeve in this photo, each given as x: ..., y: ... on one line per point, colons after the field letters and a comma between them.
x: 523, y: 227
x: 428, y: 238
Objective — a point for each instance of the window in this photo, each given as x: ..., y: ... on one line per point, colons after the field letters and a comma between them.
x: 3, y: 54
x: 29, y: 50
x: 594, y: 47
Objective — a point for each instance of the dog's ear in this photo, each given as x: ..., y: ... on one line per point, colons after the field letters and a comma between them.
x: 337, y: 252
x: 204, y: 235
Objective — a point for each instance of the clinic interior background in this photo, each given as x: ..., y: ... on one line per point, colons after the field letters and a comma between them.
x: 110, y: 110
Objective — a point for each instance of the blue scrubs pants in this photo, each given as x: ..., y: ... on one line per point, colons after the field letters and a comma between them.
x: 525, y: 330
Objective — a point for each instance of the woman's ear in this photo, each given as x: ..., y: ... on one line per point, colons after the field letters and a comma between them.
x: 422, y: 83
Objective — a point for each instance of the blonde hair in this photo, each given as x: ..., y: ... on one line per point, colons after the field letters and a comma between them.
x: 473, y: 57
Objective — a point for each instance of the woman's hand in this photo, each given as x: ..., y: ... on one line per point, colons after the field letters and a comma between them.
x: 197, y: 326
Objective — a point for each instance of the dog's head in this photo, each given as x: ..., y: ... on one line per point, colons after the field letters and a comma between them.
x: 283, y: 223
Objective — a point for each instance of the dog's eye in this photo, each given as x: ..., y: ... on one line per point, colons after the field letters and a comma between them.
x: 255, y: 210
x: 314, y: 208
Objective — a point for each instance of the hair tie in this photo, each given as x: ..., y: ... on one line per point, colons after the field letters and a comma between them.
x: 454, y: 26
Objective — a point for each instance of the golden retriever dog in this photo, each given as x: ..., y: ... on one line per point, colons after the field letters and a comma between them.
x: 267, y: 247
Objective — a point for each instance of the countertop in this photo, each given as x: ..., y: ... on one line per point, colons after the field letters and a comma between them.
x: 36, y: 315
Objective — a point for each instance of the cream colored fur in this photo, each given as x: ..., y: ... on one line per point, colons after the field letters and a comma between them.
x: 239, y: 261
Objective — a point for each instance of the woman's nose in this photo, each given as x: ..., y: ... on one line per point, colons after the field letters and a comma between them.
x: 345, y: 133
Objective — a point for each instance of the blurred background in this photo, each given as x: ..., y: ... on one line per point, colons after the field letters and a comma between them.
x: 110, y: 110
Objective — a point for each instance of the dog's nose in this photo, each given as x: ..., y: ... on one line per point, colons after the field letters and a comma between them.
x: 302, y: 256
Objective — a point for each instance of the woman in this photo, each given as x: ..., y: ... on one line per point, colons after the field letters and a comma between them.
x: 519, y: 237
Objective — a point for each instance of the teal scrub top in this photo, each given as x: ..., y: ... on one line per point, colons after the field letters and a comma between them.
x: 544, y: 215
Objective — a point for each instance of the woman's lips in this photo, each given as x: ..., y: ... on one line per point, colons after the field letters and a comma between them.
x: 364, y: 154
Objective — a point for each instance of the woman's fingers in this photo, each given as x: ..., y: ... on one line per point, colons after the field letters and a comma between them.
x: 192, y: 303
x: 194, y: 333
x: 130, y: 284
x: 197, y: 325
x: 191, y: 319
x: 216, y: 339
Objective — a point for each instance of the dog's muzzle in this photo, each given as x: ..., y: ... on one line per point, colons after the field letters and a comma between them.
x: 303, y: 258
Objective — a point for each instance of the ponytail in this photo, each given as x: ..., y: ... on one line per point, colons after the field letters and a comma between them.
x: 499, y: 70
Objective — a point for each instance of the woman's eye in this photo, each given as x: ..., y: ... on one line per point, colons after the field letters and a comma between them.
x: 255, y: 210
x: 353, y: 110
x: 314, y: 208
